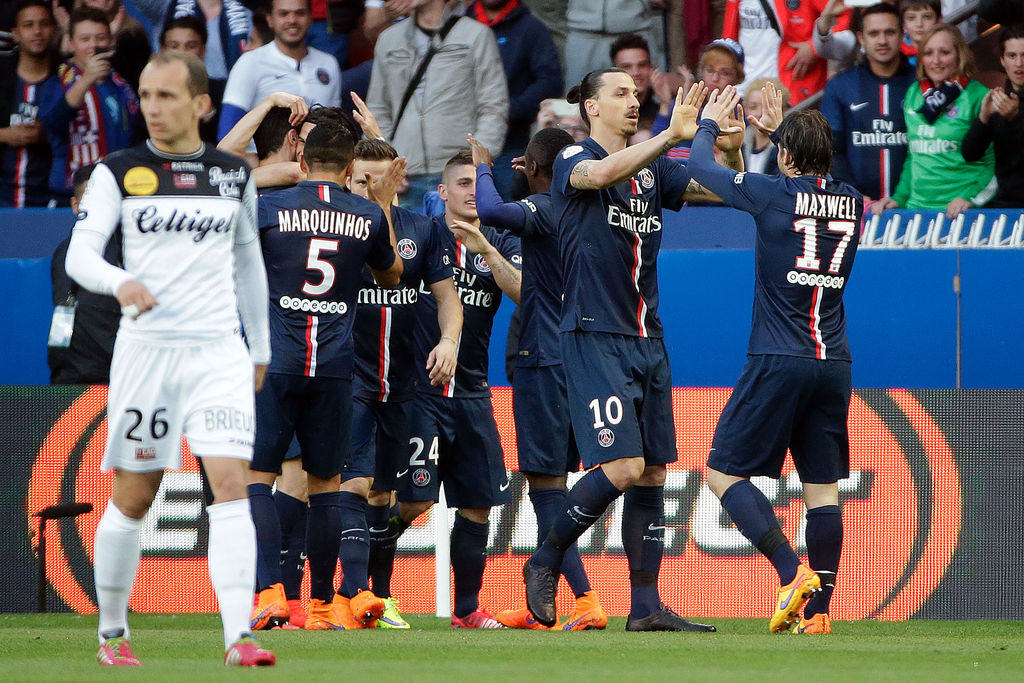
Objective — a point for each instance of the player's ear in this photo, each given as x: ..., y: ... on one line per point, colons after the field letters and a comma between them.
x: 203, y: 105
x: 442, y: 192
x: 591, y: 107
x: 303, y: 166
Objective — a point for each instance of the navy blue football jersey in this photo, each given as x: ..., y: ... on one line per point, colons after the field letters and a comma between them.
x: 481, y: 297
x: 866, y: 116
x: 808, y: 229
x: 25, y: 171
x: 385, y: 365
x: 609, y: 242
x: 316, y: 237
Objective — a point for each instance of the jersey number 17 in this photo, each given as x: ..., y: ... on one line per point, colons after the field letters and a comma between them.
x: 810, y: 260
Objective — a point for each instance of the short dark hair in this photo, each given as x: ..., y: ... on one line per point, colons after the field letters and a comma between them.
x: 189, y: 22
x: 464, y: 157
x: 84, y: 13
x: 329, y: 146
x: 80, y: 179
x: 629, y: 41
x: 808, y: 137
x: 588, y: 87
x: 545, y: 145
x: 1012, y: 32
x: 375, y: 150
x: 880, y: 8
x: 272, y: 131
x: 934, y: 5
x: 198, y: 79
x: 319, y: 113
x: 25, y: 4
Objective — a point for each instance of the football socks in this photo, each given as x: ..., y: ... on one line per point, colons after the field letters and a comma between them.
x: 354, y: 549
x: 547, y: 503
x: 117, y: 553
x: 292, y: 512
x: 824, y: 548
x: 231, y: 555
x: 755, y: 518
x: 469, y: 559
x: 268, y: 536
x: 584, y: 505
x: 643, y: 539
x: 323, y: 538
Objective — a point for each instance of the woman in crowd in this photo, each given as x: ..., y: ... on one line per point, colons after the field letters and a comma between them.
x: 939, y: 110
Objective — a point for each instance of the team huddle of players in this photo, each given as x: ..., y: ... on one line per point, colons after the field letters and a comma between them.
x: 379, y: 325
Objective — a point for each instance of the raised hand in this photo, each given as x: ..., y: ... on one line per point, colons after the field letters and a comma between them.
x: 471, y: 236
x: 683, y: 125
x: 383, y: 192
x: 298, y: 106
x: 730, y: 142
x: 365, y: 118
x: 480, y: 153
x: 720, y: 107
x: 771, y: 110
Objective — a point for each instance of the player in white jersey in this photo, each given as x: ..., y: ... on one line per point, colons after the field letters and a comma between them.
x: 180, y: 367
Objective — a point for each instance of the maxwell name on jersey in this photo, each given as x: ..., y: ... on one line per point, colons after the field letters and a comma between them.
x: 826, y: 206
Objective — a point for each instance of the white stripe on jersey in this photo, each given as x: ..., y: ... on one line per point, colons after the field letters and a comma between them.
x: 94, y: 116
x: 313, y: 325
x: 638, y: 263
x: 816, y: 322
x: 886, y: 181
x: 885, y: 103
x: 385, y: 350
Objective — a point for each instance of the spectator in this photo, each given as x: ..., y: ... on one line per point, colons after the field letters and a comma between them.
x: 939, y: 110
x: 916, y: 17
x: 532, y: 71
x: 839, y: 46
x: 595, y: 24
x: 463, y: 90
x: 81, y: 354
x: 89, y: 111
x: 228, y: 27
x: 286, y: 64
x: 756, y: 25
x: 632, y: 54
x: 800, y: 68
x: 759, y: 153
x: 188, y: 34
x: 864, y: 107
x: 1001, y: 125
x: 919, y: 17
x: 24, y: 153
x: 564, y: 115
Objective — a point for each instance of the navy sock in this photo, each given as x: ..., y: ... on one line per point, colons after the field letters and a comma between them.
x: 354, y: 548
x: 755, y: 518
x: 268, y: 536
x: 547, y: 503
x: 584, y: 505
x: 382, y: 549
x: 323, y: 537
x: 292, y: 512
x: 643, y: 538
x: 469, y: 558
x: 824, y: 548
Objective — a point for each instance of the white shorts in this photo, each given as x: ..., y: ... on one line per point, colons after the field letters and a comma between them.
x: 158, y: 393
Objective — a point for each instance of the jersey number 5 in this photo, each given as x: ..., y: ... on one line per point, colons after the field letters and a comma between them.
x: 810, y: 260
x: 326, y: 268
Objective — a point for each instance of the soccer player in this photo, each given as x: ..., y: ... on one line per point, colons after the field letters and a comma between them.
x: 316, y: 238
x: 544, y: 437
x: 454, y: 439
x: 609, y: 199
x: 384, y: 381
x: 794, y: 392
x: 192, y: 268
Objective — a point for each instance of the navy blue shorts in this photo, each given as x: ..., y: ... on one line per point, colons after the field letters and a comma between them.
x: 455, y: 442
x: 544, y: 435
x: 786, y: 402
x: 380, y: 441
x: 620, y: 397
x: 316, y: 411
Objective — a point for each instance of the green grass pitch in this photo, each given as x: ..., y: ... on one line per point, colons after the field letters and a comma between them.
x: 186, y: 648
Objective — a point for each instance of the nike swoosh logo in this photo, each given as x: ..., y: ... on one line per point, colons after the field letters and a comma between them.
x: 502, y: 488
x: 789, y: 598
x: 377, y: 531
x: 402, y: 473
x: 859, y: 105
x: 581, y: 513
x: 303, y: 557
x: 277, y: 76
x: 652, y: 527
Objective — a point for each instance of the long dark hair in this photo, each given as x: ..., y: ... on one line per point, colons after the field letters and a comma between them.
x: 588, y: 87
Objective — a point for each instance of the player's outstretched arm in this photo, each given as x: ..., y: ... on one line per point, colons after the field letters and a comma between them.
x: 284, y: 173
x: 383, y: 194
x: 505, y: 274
x: 443, y: 358
x: 238, y: 138
x: 492, y: 209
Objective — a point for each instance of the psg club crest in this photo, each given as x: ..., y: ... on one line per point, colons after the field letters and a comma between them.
x: 406, y: 248
x: 605, y: 437
x: 322, y: 76
x: 480, y: 264
x: 421, y: 477
x: 646, y: 178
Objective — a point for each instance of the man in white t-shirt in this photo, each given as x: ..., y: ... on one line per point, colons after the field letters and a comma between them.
x: 284, y: 65
x: 759, y: 36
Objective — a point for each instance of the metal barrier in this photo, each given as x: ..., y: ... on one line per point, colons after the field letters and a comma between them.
x: 973, y: 229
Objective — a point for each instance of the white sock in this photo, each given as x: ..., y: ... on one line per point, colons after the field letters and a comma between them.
x: 231, y: 556
x: 116, y: 551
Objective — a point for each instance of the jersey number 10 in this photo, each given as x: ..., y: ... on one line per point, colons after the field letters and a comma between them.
x: 810, y: 260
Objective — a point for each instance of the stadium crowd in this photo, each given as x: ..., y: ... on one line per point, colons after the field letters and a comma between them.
x: 447, y: 110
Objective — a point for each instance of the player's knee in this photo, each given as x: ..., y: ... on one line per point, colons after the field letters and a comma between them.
x: 719, y: 482
x: 653, y: 475
x: 380, y: 498
x: 321, y: 485
x: 476, y: 515
x: 624, y: 472
x: 410, y: 511
x: 544, y: 481
x: 359, y: 486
